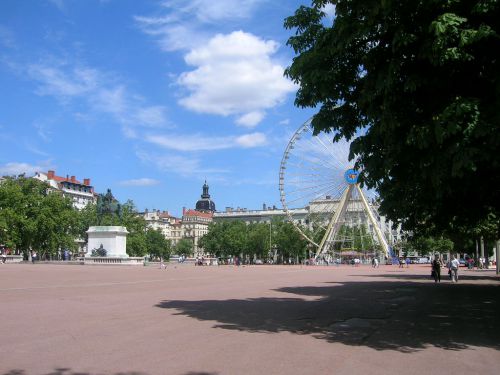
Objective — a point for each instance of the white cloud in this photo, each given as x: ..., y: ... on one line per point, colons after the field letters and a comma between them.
x: 63, y: 84
x: 251, y: 140
x: 16, y: 168
x: 101, y: 93
x: 250, y: 119
x: 234, y: 76
x: 195, y: 142
x: 285, y: 122
x: 172, y: 37
x: 140, y: 182
x: 151, y: 116
x: 209, y: 11
x: 181, y: 165
x: 199, y: 142
x: 186, y: 22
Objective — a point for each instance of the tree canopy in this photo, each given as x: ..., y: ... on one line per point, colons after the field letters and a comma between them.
x: 157, y: 245
x: 254, y: 241
x: 184, y: 247
x: 33, y: 218
x: 415, y: 85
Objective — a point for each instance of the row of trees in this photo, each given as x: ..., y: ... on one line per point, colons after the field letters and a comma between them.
x: 426, y: 246
x: 32, y: 218
x: 278, y: 240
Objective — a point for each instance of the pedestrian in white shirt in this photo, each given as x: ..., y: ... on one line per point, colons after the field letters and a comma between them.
x: 454, y: 264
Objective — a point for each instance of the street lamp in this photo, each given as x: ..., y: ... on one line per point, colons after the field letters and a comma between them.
x: 270, y: 236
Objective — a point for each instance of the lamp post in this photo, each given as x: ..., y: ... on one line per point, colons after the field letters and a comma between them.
x: 270, y: 235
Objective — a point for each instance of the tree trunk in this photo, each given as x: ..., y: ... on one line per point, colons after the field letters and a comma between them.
x: 498, y: 256
x: 482, y: 247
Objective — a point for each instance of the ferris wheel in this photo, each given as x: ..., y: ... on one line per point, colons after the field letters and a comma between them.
x: 321, y: 196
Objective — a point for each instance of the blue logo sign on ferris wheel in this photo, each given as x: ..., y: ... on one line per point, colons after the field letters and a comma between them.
x: 351, y: 176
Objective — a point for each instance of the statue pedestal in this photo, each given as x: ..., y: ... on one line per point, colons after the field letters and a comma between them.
x: 112, y: 238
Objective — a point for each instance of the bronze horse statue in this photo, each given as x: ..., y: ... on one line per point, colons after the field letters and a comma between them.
x: 107, y: 205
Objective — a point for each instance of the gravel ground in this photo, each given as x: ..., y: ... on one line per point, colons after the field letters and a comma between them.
x: 69, y: 320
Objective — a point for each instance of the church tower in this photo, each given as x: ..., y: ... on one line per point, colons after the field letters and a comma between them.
x: 205, y: 204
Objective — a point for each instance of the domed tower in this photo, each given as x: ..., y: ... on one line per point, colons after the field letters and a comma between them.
x: 205, y: 204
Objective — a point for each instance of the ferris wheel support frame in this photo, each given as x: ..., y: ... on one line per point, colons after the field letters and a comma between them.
x: 378, y: 232
x: 334, y: 225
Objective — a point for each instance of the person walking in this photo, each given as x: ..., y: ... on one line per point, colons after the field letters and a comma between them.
x: 436, y: 269
x: 454, y: 265
x: 470, y: 264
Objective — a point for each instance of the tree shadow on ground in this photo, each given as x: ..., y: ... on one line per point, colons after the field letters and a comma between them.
x: 68, y: 371
x: 406, y: 316
x: 462, y: 276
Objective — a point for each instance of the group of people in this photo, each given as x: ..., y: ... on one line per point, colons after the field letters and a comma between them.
x: 452, y: 266
x: 403, y: 261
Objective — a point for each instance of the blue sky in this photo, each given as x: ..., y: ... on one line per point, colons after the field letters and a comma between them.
x: 149, y: 98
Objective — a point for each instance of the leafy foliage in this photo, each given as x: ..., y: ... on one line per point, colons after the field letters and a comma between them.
x: 430, y: 245
x: 33, y: 217
x: 416, y: 85
x: 254, y: 241
x: 157, y: 245
x: 184, y: 247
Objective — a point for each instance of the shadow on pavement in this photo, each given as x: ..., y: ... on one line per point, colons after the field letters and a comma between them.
x: 384, y: 315
x: 462, y: 276
x: 68, y: 371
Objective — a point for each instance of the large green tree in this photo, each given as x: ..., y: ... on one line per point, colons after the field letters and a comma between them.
x: 288, y: 241
x: 415, y: 85
x: 33, y: 217
x: 157, y: 245
x: 184, y: 247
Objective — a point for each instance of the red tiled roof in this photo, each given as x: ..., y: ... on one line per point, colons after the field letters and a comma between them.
x: 190, y: 212
x: 62, y: 179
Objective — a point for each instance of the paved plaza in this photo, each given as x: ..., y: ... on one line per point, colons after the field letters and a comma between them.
x: 68, y: 320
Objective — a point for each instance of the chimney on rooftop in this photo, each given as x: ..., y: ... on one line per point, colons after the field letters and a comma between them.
x: 183, y: 211
x: 50, y: 175
x: 73, y: 179
x: 86, y: 181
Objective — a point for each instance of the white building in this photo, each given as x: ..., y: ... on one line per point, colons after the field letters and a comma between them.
x: 266, y: 215
x: 81, y: 193
x: 194, y: 226
x: 170, y: 226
